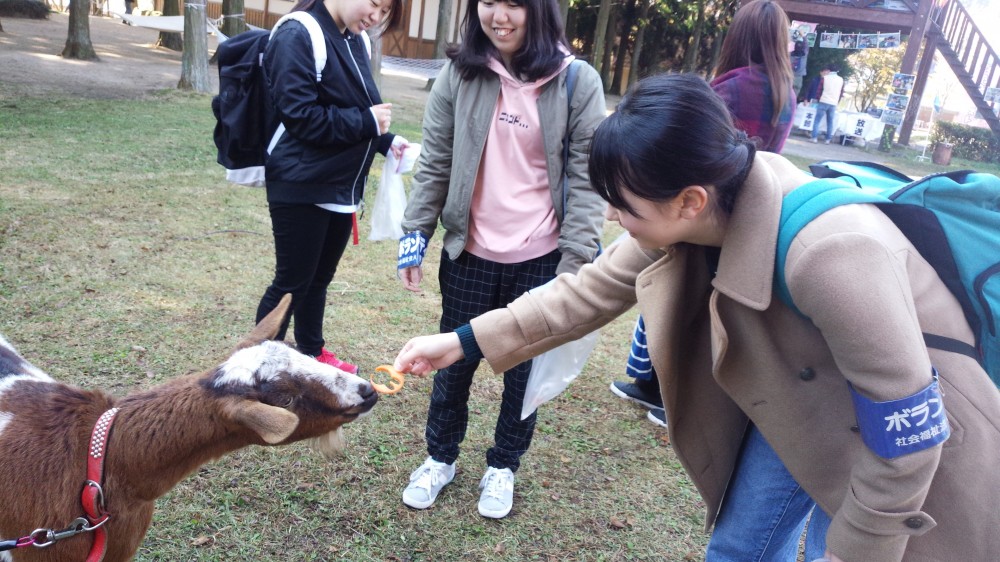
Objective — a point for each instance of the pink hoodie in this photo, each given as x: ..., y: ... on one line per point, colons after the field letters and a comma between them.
x: 512, y: 218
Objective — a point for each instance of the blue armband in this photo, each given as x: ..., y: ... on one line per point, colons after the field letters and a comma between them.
x: 412, y: 248
x: 899, y: 427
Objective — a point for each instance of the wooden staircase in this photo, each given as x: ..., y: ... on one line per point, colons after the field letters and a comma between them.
x: 970, y: 56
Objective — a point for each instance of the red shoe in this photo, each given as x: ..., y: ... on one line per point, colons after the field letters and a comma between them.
x: 331, y: 359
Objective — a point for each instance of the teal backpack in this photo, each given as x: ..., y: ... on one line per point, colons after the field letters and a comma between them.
x: 952, y: 218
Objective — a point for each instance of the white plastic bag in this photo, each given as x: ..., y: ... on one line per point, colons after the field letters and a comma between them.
x: 553, y: 371
x: 390, y: 202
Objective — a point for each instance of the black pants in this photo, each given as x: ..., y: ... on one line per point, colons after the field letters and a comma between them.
x: 471, y: 286
x: 308, y: 244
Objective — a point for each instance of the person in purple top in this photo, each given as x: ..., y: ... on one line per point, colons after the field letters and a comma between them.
x: 754, y: 74
x: 754, y: 57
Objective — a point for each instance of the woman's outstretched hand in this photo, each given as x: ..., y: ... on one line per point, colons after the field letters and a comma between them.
x: 424, y: 354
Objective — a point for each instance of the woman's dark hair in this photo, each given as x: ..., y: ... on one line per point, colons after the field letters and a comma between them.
x: 670, y: 131
x: 540, y: 56
x: 391, y: 21
x: 759, y: 35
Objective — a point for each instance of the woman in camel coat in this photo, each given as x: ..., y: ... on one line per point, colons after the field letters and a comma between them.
x: 733, y: 360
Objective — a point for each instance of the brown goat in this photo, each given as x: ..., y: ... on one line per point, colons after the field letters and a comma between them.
x: 265, y: 393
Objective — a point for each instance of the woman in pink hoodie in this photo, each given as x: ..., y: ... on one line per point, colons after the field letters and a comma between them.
x: 492, y: 172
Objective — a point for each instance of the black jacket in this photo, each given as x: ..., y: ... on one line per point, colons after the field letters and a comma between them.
x: 331, y: 137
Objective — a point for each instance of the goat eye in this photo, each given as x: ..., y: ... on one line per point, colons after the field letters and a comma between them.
x: 288, y: 402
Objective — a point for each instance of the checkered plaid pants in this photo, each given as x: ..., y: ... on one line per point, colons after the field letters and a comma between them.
x: 471, y: 286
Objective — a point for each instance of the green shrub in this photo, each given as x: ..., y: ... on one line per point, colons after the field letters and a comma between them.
x: 971, y: 143
x: 30, y: 9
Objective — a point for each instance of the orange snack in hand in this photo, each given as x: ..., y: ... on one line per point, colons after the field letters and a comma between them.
x: 390, y: 388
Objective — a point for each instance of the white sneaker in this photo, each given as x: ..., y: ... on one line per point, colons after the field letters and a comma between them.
x: 498, y: 493
x: 426, y: 481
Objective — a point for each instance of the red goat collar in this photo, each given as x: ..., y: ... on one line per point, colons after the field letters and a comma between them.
x: 93, y: 494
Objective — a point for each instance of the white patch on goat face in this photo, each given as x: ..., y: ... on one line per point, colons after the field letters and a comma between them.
x: 268, y: 360
x: 255, y: 364
x: 6, y: 557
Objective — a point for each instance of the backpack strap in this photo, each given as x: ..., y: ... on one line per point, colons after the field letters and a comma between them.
x: 571, y: 72
x: 799, y: 208
x: 319, y: 55
x: 315, y: 35
x: 368, y: 43
x: 868, y: 174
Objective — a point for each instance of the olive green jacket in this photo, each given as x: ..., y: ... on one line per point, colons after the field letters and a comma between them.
x: 457, y: 120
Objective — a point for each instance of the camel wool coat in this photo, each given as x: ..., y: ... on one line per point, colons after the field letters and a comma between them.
x: 728, y: 351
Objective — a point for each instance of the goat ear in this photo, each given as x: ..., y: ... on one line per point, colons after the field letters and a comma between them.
x: 272, y: 423
x: 270, y: 325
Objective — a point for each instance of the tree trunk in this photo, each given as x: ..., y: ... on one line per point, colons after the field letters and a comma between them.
x: 168, y: 39
x: 194, y: 60
x: 600, y: 32
x: 609, y: 45
x: 443, y: 24
x: 564, y: 10
x: 233, y: 22
x: 716, y: 53
x: 78, y: 45
x: 627, y: 19
x: 691, y: 52
x: 640, y: 36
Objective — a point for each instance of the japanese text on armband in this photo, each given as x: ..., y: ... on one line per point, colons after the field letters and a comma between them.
x: 907, y: 425
x: 412, y: 248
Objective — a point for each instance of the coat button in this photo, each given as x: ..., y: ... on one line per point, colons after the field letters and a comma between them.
x: 914, y: 522
x: 807, y: 374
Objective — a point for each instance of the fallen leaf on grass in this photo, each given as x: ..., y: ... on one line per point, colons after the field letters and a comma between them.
x: 202, y: 541
x: 499, y: 548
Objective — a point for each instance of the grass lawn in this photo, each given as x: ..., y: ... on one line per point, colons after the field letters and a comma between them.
x: 126, y: 259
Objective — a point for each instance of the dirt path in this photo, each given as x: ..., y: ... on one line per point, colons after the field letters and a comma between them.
x: 129, y: 67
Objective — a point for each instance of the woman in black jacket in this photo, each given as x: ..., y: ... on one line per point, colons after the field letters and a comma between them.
x: 331, y: 127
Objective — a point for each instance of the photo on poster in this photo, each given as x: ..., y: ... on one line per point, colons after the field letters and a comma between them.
x: 903, y: 83
x: 897, y: 102
x: 829, y: 40
x: 890, y: 117
x: 800, y: 30
x: 868, y: 41
x: 811, y: 39
x: 888, y: 40
x: 848, y: 41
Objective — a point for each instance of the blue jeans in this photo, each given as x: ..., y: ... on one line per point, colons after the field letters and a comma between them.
x: 765, y: 511
x: 830, y: 111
